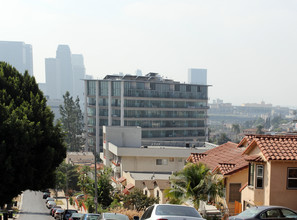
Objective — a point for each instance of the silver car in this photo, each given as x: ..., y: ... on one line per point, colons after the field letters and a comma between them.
x: 267, y: 213
x: 171, y: 212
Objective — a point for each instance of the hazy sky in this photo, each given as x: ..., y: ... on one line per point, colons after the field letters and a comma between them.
x: 248, y: 46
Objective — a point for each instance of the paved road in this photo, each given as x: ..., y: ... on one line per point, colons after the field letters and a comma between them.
x: 33, y: 207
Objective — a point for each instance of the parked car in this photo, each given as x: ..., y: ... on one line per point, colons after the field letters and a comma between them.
x: 171, y: 212
x: 50, y: 204
x: 266, y: 212
x: 76, y: 216
x: 68, y: 213
x: 113, y: 216
x: 49, y: 199
x: 53, y: 209
x: 45, y: 195
x: 59, y: 214
x: 90, y: 216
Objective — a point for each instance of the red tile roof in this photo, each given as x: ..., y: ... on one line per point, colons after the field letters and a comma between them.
x: 254, y: 158
x: 275, y: 147
x: 129, y: 186
x: 245, y: 185
x: 126, y: 191
x: 121, y: 179
x: 227, y: 158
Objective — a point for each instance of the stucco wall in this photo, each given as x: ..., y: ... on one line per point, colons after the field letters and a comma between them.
x: 279, y: 194
x: 149, y: 164
x: 238, y: 177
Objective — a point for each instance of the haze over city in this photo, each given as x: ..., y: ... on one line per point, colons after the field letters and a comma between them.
x: 248, y: 47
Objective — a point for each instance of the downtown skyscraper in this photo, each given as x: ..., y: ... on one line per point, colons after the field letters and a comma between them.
x: 64, y: 73
x: 18, y: 54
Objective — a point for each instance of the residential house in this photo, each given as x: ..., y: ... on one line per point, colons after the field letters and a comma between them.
x: 228, y: 161
x: 272, y: 176
x: 133, y: 163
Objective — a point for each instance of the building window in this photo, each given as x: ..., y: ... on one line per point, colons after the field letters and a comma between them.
x: 260, y: 175
x: 161, y: 161
x: 158, y: 194
x: 234, y: 194
x: 292, y: 178
x: 251, y: 174
x: 180, y: 159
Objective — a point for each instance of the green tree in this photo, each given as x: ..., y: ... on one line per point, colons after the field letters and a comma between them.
x: 67, y: 177
x: 236, y: 128
x: 31, y: 146
x: 223, y: 138
x: 139, y: 200
x: 194, y: 182
x: 105, y: 189
x: 85, y: 182
x: 260, y: 129
x: 72, y: 122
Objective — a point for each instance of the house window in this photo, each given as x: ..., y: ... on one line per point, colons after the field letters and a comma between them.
x: 260, y: 172
x: 161, y: 161
x: 234, y: 194
x: 292, y: 178
x: 251, y: 174
x: 145, y: 192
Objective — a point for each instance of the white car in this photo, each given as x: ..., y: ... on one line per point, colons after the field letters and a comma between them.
x: 50, y: 204
x: 171, y: 212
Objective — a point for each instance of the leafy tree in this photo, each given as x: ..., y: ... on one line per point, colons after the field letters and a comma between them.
x: 260, y: 129
x: 236, y: 128
x: 105, y: 189
x: 139, y: 200
x: 194, y: 182
x: 31, y: 146
x: 72, y: 122
x: 66, y: 177
x: 223, y: 138
x: 85, y: 182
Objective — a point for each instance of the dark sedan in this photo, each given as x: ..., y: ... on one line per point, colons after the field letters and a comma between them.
x: 266, y: 212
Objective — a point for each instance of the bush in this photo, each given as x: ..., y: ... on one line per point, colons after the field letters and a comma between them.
x: 128, y: 212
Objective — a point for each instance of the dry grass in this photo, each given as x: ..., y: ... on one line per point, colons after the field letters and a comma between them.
x: 128, y: 212
x: 59, y: 202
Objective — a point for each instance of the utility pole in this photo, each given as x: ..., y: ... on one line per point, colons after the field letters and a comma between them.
x: 66, y: 194
x: 96, y: 199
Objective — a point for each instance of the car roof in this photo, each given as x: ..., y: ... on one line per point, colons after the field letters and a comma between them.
x: 76, y: 214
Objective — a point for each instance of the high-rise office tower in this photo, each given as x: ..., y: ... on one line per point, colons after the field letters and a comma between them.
x: 197, y: 76
x: 65, y: 73
x: 18, y: 54
x: 165, y: 109
x: 64, y: 64
x: 79, y: 74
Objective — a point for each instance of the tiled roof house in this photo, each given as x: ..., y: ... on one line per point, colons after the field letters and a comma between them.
x: 228, y: 160
x: 272, y: 176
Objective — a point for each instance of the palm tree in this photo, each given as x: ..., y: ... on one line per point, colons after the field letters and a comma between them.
x: 194, y: 182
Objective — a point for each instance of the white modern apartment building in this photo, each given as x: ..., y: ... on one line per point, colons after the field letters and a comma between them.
x: 166, y: 110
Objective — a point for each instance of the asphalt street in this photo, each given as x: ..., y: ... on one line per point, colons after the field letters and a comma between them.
x: 33, y: 207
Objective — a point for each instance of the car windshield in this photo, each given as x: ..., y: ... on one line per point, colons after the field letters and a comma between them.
x: 177, y: 211
x: 114, y: 216
x: 251, y: 212
x: 93, y: 217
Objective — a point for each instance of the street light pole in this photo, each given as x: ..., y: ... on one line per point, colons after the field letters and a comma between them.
x: 96, y: 199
